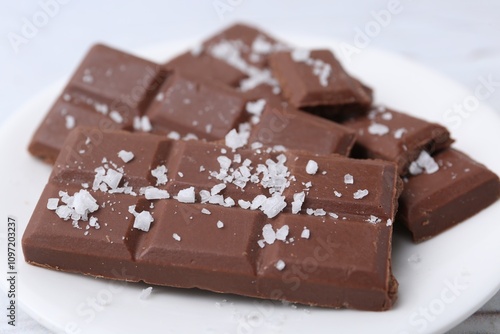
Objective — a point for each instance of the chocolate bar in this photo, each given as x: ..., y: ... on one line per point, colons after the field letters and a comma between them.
x: 433, y: 202
x: 109, y: 90
x: 390, y: 135
x: 288, y: 225
x: 315, y: 79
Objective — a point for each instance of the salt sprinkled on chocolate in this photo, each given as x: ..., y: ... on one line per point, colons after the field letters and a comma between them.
x: 52, y: 203
x: 160, y: 173
x: 152, y: 193
x: 116, y: 117
x: 306, y: 233
x: 399, y: 133
x: 337, y: 193
x: 268, y: 234
x: 424, y: 163
x: 282, y: 233
x: 298, y: 200
x: 206, y: 211
x: 311, y: 167
x: 70, y: 122
x: 176, y: 237
x: 348, y: 179
x: 280, y: 265
x: 186, y: 195
x: 126, y: 156
x: 378, y: 129
x: 359, y: 194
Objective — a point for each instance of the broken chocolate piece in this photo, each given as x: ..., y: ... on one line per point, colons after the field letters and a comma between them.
x: 390, y: 135
x: 316, y: 78
x: 432, y: 203
x: 108, y: 90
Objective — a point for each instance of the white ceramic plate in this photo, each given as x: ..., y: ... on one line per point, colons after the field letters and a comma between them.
x: 442, y: 281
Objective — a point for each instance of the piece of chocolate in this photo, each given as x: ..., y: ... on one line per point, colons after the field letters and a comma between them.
x: 298, y: 130
x: 286, y: 226
x: 108, y: 90
x: 390, y: 135
x: 187, y: 106
x: 316, y: 79
x: 206, y: 67
x: 432, y: 203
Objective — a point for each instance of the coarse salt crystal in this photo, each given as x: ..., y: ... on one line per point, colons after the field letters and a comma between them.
x: 244, y: 204
x: 160, y: 173
x: 220, y: 224
x: 155, y: 193
x: 424, y: 163
x: 387, y: 116
x: 186, y: 195
x: 374, y: 219
x: 280, y: 265
x: 282, y: 233
x: 116, y: 117
x: 256, y: 107
x: 333, y: 215
x: 268, y: 234
x: 146, y: 124
x: 306, y: 233
x: 52, y: 203
x: 236, y: 140
x: 176, y: 237
x: 378, y: 129
x: 348, y: 179
x: 126, y: 156
x: 389, y: 222
x: 311, y: 167
x: 359, y: 194
x: 70, y: 122
x: 206, y: 211
x: 273, y: 205
x: 143, y: 221
x: 217, y: 189
x: 145, y: 293
x: 337, y: 193
x: 298, y: 200
x: 399, y: 133
x: 174, y: 135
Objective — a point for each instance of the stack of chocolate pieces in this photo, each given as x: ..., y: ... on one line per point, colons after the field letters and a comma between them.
x: 242, y: 166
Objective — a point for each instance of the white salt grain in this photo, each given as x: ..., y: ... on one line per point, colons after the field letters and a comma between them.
x: 145, y: 293
x: 348, y: 179
x: 282, y: 233
x: 280, y: 265
x: 116, y: 117
x: 378, y: 129
x: 176, y: 237
x: 126, y: 156
x: 298, y: 200
x: 306, y: 233
x: 143, y: 221
x: 206, y: 211
x: 186, y: 195
x: 160, y: 173
x: 155, y: 193
x: 311, y: 167
x: 220, y: 224
x: 359, y: 194
x: 70, y: 122
x: 52, y: 203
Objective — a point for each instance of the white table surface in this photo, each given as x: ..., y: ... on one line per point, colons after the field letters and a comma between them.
x: 457, y: 38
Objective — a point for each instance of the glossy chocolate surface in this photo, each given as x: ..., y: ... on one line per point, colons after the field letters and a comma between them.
x: 342, y: 261
x: 432, y: 203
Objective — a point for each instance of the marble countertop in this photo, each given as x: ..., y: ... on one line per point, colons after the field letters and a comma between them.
x: 457, y: 38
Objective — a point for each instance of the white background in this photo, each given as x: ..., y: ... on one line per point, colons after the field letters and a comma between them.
x: 457, y: 38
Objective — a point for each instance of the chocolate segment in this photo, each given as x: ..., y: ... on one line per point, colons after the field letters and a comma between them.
x: 134, y: 216
x: 298, y: 130
x: 316, y: 78
x: 187, y: 106
x: 108, y: 90
x: 395, y: 136
x: 202, y: 65
x: 432, y: 203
